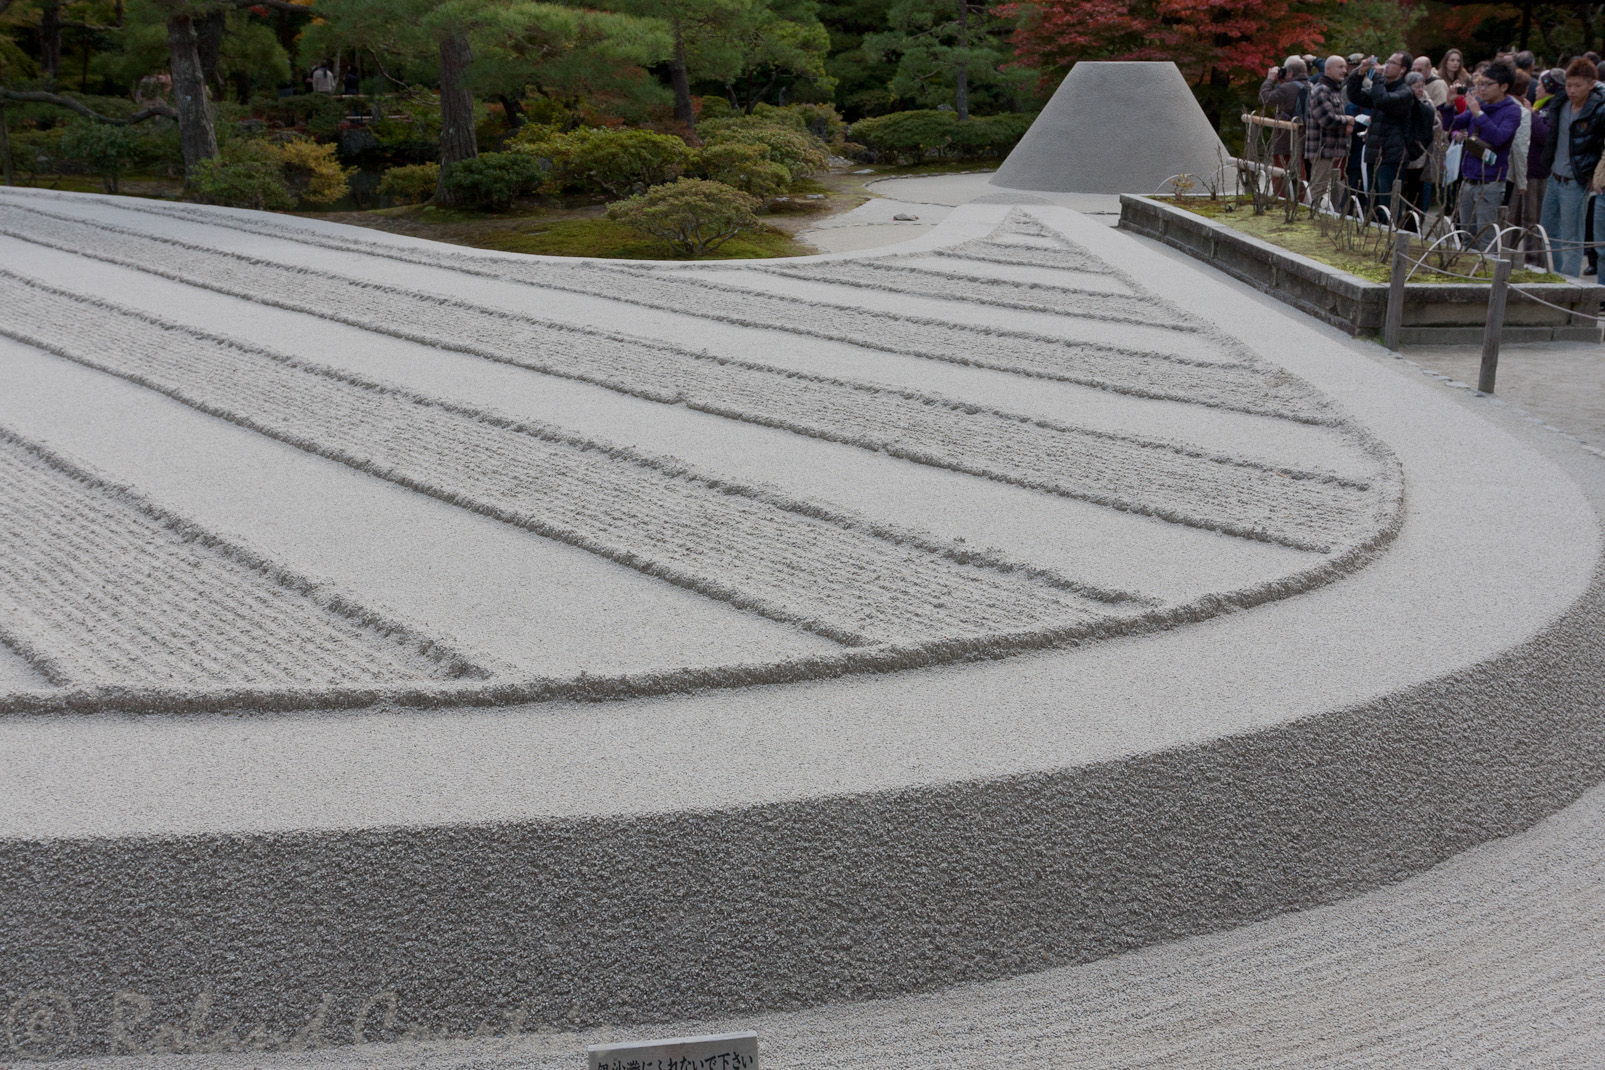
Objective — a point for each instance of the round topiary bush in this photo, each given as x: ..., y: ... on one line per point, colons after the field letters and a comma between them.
x: 493, y: 179
x: 246, y: 173
x: 798, y: 151
x: 906, y: 136
x: 694, y: 215
x: 615, y: 162
x: 410, y: 184
x: 313, y: 171
x: 746, y: 167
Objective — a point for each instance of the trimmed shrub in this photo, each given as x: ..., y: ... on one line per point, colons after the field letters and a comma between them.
x: 746, y: 167
x: 906, y: 136
x: 694, y: 215
x: 101, y: 149
x: 410, y: 184
x: 798, y: 151
x: 494, y: 179
x: 990, y: 135
x: 821, y: 120
x: 246, y: 174
x: 313, y: 171
x: 911, y: 136
x: 614, y: 162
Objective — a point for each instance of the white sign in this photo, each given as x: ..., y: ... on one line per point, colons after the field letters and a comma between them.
x: 728, y: 1051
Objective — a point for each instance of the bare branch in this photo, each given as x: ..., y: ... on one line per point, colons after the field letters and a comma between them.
x: 36, y: 97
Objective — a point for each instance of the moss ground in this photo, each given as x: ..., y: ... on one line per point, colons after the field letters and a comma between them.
x: 1303, y: 236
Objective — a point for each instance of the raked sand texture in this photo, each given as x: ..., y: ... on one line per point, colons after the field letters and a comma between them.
x: 382, y: 617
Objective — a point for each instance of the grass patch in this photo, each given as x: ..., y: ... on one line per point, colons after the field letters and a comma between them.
x: 607, y: 238
x: 1303, y: 236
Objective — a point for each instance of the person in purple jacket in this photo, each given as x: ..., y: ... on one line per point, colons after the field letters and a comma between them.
x: 1487, y: 127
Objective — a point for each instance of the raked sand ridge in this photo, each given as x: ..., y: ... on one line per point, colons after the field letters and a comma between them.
x: 381, y: 617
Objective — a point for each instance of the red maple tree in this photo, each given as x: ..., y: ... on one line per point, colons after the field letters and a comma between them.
x: 1210, y: 40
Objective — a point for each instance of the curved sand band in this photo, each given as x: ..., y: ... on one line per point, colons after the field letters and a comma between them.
x: 732, y: 850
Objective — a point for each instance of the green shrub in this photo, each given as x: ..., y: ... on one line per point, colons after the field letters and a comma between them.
x: 246, y: 173
x: 990, y: 135
x: 160, y: 149
x: 101, y: 149
x: 746, y: 167
x: 694, y: 215
x: 714, y: 108
x: 821, y: 120
x: 614, y: 162
x: 494, y: 179
x: 911, y: 136
x: 906, y: 136
x: 798, y: 151
x: 320, y: 113
x: 411, y: 183
x: 36, y: 152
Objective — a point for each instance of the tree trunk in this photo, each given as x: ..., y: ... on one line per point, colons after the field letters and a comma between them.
x: 50, y: 40
x: 680, y: 79
x: 5, y: 150
x: 456, y: 110
x: 195, y: 130
x: 961, y: 77
x: 209, y: 29
x: 514, y: 110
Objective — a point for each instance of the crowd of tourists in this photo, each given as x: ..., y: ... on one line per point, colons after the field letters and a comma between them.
x: 1464, y: 140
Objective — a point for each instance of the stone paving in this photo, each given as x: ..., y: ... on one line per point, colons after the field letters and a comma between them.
x: 1561, y: 383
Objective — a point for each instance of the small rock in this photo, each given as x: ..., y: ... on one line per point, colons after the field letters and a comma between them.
x: 865, y: 171
x: 903, y: 217
x: 816, y: 196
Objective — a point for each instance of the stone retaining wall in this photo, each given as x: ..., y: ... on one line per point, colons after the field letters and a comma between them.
x: 1441, y: 313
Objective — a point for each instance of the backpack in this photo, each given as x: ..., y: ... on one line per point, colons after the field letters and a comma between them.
x: 1301, y: 107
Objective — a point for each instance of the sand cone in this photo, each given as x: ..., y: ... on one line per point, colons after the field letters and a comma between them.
x: 1115, y: 128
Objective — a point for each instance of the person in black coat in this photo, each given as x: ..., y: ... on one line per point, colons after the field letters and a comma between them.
x: 1393, y: 120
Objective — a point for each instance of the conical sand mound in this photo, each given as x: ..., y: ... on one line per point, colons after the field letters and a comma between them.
x: 1114, y: 128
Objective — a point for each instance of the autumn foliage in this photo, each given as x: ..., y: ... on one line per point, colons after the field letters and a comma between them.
x: 1207, y: 39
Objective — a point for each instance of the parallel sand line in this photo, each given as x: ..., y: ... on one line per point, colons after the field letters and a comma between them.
x: 102, y: 586
x: 1236, y: 496
x: 889, y: 657
x: 989, y: 251
x: 1243, y: 385
x: 896, y: 277
x: 736, y: 544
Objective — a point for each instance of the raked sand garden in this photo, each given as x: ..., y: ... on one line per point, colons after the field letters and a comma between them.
x: 399, y: 640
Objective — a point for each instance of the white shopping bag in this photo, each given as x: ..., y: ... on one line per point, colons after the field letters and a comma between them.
x: 1451, y: 162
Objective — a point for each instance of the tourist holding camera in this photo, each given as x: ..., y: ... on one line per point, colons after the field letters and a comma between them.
x: 1487, y: 128
x: 1392, y: 105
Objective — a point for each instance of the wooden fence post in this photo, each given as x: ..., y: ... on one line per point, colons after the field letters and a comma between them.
x: 1492, y: 328
x: 1394, y: 323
